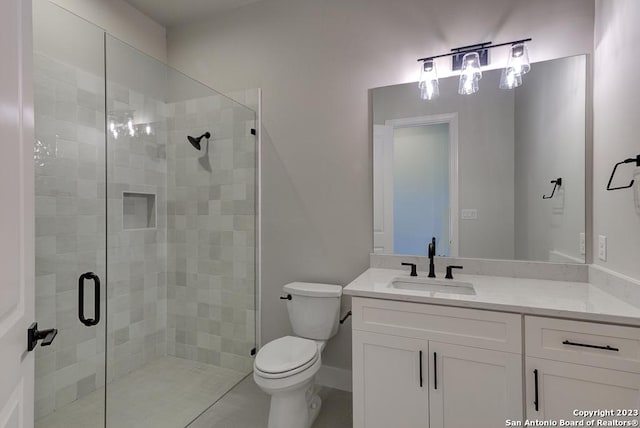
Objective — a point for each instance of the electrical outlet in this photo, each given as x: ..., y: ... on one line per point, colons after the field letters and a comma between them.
x: 469, y: 214
x: 602, y: 248
x: 583, y: 244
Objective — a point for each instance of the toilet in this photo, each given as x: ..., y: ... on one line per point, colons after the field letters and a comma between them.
x: 285, y: 368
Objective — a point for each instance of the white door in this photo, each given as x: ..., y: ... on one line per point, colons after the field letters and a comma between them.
x: 390, y: 381
x: 560, y: 388
x: 16, y: 214
x: 473, y: 387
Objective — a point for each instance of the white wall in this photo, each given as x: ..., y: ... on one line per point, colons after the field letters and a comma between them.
x: 63, y: 36
x: 616, y: 113
x: 315, y: 61
x: 123, y: 21
x: 550, y: 143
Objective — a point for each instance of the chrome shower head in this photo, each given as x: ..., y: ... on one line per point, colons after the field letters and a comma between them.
x: 195, y: 141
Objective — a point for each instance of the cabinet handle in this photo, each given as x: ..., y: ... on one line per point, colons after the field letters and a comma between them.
x: 584, y: 345
x: 420, y: 364
x: 535, y: 394
x: 435, y: 371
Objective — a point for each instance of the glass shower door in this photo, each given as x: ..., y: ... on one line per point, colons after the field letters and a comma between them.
x: 145, y: 238
x: 70, y: 218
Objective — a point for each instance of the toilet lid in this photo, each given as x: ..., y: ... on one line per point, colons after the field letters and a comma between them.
x: 286, y: 354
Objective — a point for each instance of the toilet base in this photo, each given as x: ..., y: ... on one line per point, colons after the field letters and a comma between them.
x: 295, y: 408
x: 314, y: 408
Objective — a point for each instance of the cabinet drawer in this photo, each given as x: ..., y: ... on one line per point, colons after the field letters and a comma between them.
x: 469, y: 327
x: 593, y: 344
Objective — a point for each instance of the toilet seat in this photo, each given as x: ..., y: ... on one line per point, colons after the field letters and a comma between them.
x: 285, y: 357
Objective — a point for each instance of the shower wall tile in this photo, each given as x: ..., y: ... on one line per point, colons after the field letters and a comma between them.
x: 211, y: 212
x: 137, y: 256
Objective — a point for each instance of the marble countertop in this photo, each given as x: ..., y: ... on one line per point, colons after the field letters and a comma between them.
x: 575, y: 300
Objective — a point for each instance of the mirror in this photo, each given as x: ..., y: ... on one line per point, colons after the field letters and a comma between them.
x: 499, y: 174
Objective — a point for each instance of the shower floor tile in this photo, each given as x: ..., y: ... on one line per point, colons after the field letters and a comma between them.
x: 166, y: 393
x: 246, y: 406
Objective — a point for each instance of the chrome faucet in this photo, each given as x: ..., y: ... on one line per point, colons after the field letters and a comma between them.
x: 432, y: 254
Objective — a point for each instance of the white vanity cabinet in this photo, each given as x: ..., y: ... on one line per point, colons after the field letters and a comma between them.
x: 423, y: 365
x: 580, y: 365
x: 418, y: 365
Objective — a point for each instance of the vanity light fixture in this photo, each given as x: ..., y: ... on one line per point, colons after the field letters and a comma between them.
x: 469, y: 60
x: 428, y: 84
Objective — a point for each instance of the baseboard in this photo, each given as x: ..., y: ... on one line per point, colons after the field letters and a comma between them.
x: 334, y: 377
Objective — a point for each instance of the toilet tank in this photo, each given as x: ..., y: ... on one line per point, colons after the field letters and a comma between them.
x: 314, y: 309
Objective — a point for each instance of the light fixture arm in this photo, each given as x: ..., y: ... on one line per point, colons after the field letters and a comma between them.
x: 474, y: 48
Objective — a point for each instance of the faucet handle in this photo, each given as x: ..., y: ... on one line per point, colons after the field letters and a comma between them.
x: 449, y: 274
x: 413, y: 268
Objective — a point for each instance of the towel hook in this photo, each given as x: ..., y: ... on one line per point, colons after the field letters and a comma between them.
x: 635, y: 160
x: 556, y: 185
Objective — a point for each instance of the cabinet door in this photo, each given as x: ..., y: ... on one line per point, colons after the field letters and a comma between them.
x: 565, y: 387
x: 471, y: 387
x: 387, y: 390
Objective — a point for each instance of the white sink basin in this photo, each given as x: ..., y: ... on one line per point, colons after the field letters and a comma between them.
x: 432, y: 285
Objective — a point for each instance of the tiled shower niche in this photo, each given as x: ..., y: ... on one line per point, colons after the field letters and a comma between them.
x: 138, y: 210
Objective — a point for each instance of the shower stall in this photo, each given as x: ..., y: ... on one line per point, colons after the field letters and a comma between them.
x: 145, y: 245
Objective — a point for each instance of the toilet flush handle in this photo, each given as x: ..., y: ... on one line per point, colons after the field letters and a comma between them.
x: 345, y: 317
x: 287, y: 297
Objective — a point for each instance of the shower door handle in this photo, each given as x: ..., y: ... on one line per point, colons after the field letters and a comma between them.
x: 96, y: 299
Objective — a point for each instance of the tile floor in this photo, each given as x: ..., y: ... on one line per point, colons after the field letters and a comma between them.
x: 166, y: 393
x: 246, y: 406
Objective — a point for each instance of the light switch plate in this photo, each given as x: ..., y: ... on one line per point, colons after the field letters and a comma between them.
x: 583, y: 244
x: 469, y: 214
x: 602, y: 248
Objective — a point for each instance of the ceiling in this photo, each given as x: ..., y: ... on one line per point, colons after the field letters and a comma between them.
x: 176, y: 12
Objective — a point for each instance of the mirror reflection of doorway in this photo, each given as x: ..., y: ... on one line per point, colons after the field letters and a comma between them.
x: 421, y: 188
x: 416, y: 196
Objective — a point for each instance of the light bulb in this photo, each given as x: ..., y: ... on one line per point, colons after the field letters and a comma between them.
x: 148, y: 129
x: 470, y: 75
x: 428, y: 84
